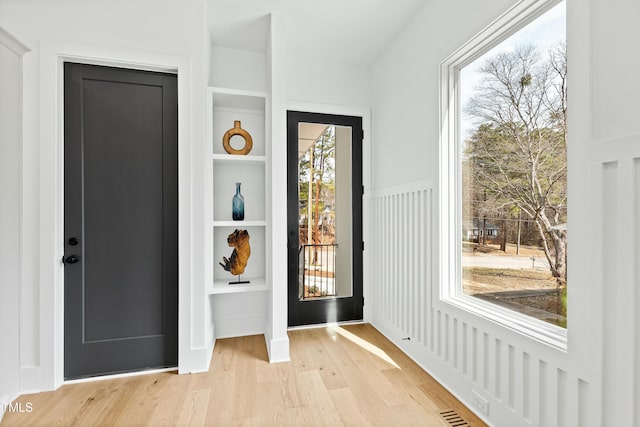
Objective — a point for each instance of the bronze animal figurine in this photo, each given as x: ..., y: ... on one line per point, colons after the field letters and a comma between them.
x: 239, y: 240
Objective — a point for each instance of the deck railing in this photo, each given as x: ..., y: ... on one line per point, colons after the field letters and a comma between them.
x: 316, y: 267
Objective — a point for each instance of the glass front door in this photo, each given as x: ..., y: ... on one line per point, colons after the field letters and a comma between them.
x: 325, y: 212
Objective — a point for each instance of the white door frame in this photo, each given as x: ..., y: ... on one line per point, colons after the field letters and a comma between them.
x: 365, y: 113
x: 51, y: 322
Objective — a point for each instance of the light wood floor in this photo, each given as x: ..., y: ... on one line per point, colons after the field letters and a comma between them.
x: 348, y: 375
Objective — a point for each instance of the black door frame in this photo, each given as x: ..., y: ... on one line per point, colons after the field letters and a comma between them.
x: 331, y: 309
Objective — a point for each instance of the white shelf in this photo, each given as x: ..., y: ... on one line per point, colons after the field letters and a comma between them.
x: 223, y: 287
x: 239, y: 99
x: 236, y: 159
x: 237, y: 224
x: 225, y: 107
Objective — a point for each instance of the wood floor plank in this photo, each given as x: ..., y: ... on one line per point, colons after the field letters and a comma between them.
x: 401, y: 381
x: 291, y: 393
x: 169, y: 399
x: 374, y: 353
x: 106, y: 404
x: 194, y: 409
x: 320, y: 402
x: 297, y: 417
x: 269, y: 406
x: 366, y: 373
x: 347, y: 405
x: 302, y: 346
x: 329, y: 369
x: 222, y: 399
x: 370, y: 402
x: 245, y: 381
x: 46, y: 412
x: 340, y: 375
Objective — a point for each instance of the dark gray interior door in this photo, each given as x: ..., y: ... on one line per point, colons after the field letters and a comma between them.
x: 121, y: 214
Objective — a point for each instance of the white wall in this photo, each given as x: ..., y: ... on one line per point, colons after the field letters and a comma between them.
x: 10, y: 223
x: 138, y: 30
x: 406, y: 88
x: 319, y: 85
x: 293, y: 82
x: 321, y: 81
x: 596, y: 381
x: 238, y: 69
x: 606, y: 185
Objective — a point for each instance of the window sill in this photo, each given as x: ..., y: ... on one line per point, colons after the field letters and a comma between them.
x: 535, y: 329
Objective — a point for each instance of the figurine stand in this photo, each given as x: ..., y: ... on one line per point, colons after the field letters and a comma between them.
x: 240, y: 281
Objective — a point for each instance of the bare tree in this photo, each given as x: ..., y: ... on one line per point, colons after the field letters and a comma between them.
x: 322, y: 175
x: 518, y: 152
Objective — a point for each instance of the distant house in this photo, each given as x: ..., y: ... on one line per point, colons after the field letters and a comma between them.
x: 473, y: 229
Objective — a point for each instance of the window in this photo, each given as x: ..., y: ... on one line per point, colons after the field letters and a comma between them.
x: 504, y: 171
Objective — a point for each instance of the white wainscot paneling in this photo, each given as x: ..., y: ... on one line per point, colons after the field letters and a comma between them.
x: 615, y: 172
x: 524, y: 382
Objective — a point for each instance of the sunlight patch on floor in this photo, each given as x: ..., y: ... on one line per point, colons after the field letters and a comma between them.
x: 377, y: 351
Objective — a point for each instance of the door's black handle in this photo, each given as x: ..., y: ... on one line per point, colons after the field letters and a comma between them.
x: 71, y: 259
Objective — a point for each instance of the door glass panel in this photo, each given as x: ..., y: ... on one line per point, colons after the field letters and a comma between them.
x: 325, y: 220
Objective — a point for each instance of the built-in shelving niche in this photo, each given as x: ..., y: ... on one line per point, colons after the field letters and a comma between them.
x: 250, y: 108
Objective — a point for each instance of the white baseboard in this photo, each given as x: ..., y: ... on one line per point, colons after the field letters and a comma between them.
x: 205, y: 362
x: 30, y: 381
x: 325, y: 325
x: 278, y: 349
x: 197, y: 360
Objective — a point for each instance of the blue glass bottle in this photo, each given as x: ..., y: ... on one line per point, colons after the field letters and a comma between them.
x: 238, y: 204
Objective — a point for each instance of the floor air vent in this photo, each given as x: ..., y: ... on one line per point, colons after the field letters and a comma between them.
x: 453, y: 419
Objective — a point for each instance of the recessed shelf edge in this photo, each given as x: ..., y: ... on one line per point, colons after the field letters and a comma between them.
x: 223, y: 287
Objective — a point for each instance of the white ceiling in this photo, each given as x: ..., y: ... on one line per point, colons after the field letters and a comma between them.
x: 308, y: 134
x: 346, y: 31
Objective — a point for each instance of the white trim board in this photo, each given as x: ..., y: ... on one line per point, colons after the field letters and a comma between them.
x: 449, y: 227
x: 51, y: 284
x: 13, y: 44
x: 367, y: 182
